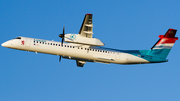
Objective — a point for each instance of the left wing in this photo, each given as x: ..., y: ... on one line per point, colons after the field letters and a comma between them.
x: 87, y: 26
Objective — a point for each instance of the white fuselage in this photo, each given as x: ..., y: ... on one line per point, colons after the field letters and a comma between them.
x: 73, y: 51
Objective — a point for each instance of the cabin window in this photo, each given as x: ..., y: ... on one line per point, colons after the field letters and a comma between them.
x: 81, y: 48
x: 56, y: 44
x: 18, y: 38
x: 64, y: 45
x: 67, y: 46
x: 70, y: 46
x: 51, y: 43
x: 42, y: 42
x: 85, y: 48
x: 45, y: 43
x: 73, y: 46
x: 59, y: 44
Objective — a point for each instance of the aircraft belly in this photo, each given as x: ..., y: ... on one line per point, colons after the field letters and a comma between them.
x: 74, y: 53
x: 131, y: 59
x: 63, y: 51
x: 103, y: 57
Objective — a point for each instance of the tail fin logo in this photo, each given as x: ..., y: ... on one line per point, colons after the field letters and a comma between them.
x: 163, y: 46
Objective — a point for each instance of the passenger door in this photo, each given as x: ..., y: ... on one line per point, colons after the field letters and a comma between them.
x: 28, y: 42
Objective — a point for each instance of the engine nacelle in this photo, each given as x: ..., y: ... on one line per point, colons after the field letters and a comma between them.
x: 76, y: 38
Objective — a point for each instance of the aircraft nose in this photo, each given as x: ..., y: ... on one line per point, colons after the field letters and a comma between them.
x: 5, y: 44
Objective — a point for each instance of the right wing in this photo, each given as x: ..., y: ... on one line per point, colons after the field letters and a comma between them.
x: 87, y: 26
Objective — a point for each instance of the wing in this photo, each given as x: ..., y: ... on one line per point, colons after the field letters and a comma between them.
x: 87, y: 26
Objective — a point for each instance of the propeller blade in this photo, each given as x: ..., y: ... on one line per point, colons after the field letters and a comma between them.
x: 63, y: 35
x: 59, y: 58
x: 62, y: 41
x: 63, y: 30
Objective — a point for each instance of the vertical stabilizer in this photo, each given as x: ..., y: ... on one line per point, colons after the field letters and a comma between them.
x: 163, y: 46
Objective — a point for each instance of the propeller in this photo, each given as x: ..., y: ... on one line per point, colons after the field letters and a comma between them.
x: 62, y: 36
x: 59, y: 58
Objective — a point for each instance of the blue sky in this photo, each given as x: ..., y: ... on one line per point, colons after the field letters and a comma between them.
x: 120, y: 24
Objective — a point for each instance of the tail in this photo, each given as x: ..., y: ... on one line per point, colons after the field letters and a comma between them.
x: 163, y: 46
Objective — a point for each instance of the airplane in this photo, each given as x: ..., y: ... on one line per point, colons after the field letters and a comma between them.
x: 83, y: 48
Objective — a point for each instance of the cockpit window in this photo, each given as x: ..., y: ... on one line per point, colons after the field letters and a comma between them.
x: 18, y: 38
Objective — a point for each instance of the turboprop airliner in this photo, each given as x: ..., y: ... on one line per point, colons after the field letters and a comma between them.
x: 83, y: 48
